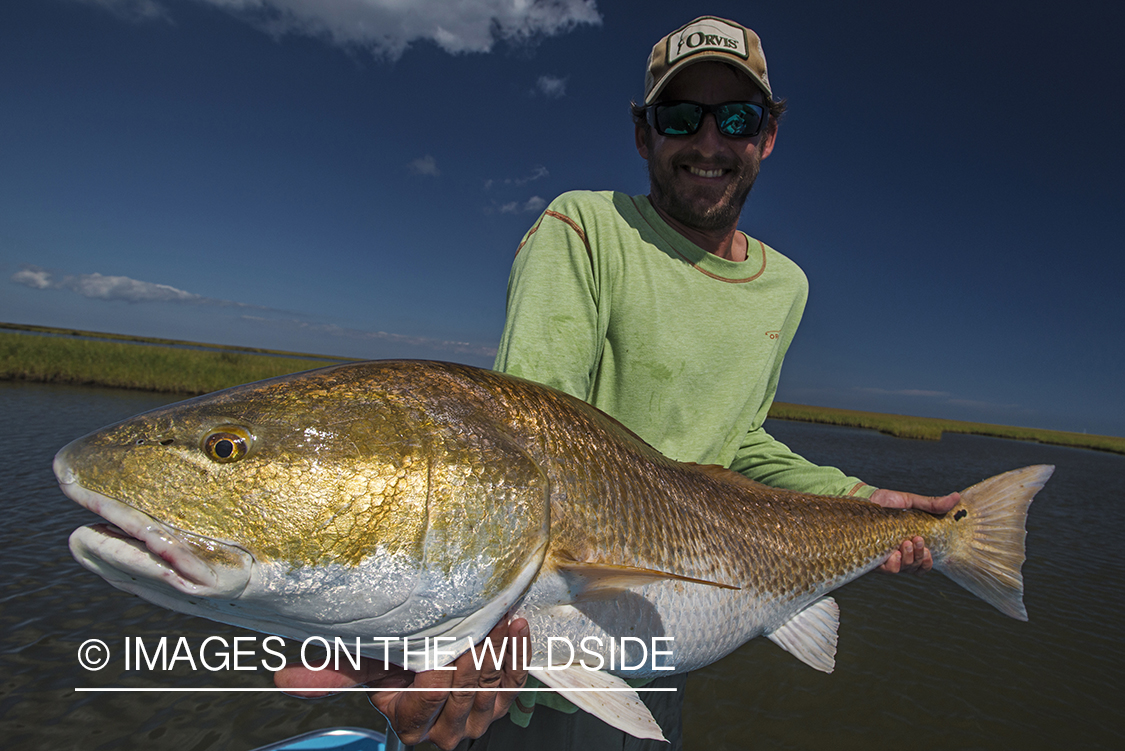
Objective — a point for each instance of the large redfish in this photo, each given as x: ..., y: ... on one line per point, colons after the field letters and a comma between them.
x: 417, y: 499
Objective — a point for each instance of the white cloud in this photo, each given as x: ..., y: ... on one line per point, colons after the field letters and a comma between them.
x: 426, y: 165
x: 387, y: 28
x: 120, y: 288
x: 537, y: 173
x: 31, y: 276
x: 101, y: 287
x: 535, y: 203
x: 551, y: 87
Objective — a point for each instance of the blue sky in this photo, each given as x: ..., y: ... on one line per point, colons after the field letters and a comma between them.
x: 352, y: 178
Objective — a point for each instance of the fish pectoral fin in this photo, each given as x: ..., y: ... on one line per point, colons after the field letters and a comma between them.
x: 810, y: 635
x: 622, y: 707
x: 600, y: 581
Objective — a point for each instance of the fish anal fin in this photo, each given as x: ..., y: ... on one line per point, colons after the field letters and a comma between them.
x: 622, y: 708
x: 810, y: 635
x: 599, y: 581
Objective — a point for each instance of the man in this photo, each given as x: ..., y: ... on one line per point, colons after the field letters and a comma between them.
x: 659, y: 311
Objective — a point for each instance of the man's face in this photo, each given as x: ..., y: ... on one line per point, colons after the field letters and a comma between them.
x: 702, y: 180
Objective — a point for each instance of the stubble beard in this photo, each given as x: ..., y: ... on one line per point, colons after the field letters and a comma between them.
x: 702, y: 211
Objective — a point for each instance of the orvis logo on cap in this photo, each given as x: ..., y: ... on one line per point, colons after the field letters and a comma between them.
x: 707, y: 34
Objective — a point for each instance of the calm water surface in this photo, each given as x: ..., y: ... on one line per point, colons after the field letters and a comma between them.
x: 921, y: 664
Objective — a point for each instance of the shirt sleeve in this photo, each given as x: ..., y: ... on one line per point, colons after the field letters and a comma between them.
x: 552, y: 333
x: 769, y: 461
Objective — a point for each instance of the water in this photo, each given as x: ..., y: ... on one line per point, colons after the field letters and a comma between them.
x: 921, y: 663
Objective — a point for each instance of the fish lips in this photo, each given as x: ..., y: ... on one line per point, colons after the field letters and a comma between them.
x: 133, y: 548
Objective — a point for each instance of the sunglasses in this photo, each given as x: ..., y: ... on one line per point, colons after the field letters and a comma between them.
x: 735, y: 119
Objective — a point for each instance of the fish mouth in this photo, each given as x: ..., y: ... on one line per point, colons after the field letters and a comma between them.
x: 131, y: 546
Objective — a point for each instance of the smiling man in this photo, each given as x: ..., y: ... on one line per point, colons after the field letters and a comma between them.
x: 658, y: 310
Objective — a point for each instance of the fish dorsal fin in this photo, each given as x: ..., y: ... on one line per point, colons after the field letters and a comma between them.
x: 600, y: 581
x: 810, y: 636
x: 622, y: 708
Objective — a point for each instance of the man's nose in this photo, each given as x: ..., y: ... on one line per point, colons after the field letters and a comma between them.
x: 708, y: 136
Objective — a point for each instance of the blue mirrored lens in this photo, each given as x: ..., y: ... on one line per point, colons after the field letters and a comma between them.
x: 738, y: 119
x: 679, y: 119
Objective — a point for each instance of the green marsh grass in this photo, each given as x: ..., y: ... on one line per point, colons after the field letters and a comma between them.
x: 931, y: 428
x: 131, y: 365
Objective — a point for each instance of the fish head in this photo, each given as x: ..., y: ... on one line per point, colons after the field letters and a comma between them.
x: 346, y: 501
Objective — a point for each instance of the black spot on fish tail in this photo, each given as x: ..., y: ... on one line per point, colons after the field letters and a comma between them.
x: 960, y: 515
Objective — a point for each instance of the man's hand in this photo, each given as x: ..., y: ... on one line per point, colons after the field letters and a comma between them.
x: 443, y: 717
x: 912, y: 556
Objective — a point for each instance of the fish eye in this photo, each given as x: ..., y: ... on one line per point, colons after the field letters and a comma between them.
x: 227, y: 444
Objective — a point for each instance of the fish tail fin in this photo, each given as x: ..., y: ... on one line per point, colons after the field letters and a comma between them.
x: 986, y: 550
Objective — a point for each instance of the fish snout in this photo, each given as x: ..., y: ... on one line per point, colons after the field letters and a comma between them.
x: 61, y: 466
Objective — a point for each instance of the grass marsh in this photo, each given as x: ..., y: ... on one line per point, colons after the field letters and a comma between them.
x: 931, y: 428
x: 137, y: 364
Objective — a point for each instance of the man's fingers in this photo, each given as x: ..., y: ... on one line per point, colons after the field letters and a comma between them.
x: 927, y: 563
x: 942, y: 504
x: 916, y: 557
x: 484, y: 705
x: 451, y: 712
x: 492, y: 670
x: 292, y: 678
x: 457, y: 718
x: 466, y: 676
x: 485, y: 702
x: 515, y: 673
x: 899, y: 499
x: 909, y: 549
x: 412, y: 719
x: 413, y: 713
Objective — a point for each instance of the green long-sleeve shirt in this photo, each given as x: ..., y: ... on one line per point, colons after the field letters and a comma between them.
x: 610, y: 304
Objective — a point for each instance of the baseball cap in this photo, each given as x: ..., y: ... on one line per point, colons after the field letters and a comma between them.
x: 706, y: 38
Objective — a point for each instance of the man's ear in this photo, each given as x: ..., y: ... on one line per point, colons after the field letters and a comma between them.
x: 765, y: 147
x: 640, y: 132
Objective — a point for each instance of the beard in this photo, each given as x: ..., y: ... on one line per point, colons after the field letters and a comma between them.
x: 697, y: 206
